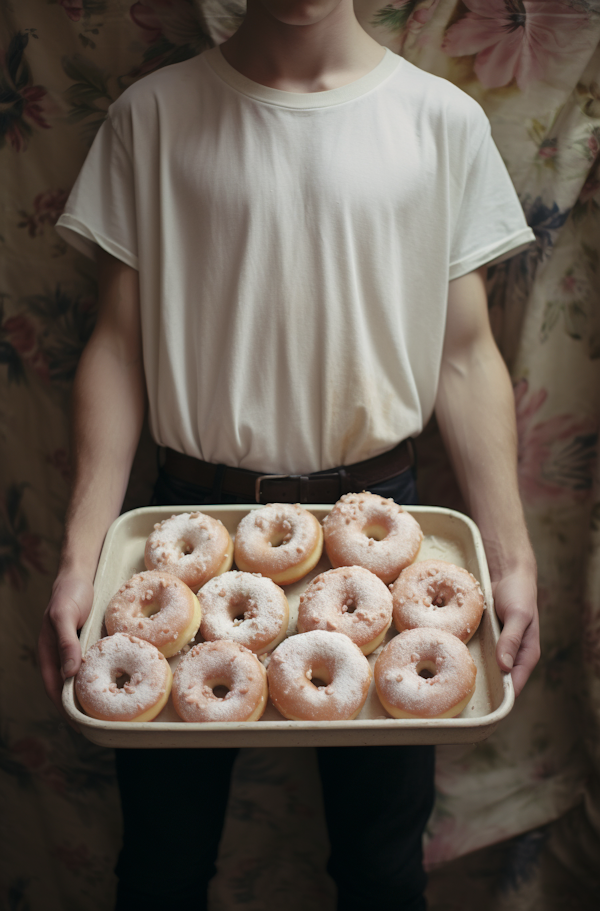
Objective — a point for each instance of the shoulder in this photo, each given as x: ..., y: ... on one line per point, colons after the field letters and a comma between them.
x: 439, y: 102
x: 172, y: 88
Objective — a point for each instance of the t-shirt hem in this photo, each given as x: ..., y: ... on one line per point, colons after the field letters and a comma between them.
x: 493, y: 254
x: 84, y: 239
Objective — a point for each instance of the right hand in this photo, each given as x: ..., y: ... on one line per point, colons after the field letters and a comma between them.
x: 58, y: 647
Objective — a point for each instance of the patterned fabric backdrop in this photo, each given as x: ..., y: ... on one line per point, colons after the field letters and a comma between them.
x: 517, y: 819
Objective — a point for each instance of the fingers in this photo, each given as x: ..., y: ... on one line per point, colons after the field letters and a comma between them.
x: 64, y: 618
x: 49, y: 662
x: 518, y: 648
x: 50, y: 668
x: 58, y: 647
x: 527, y: 658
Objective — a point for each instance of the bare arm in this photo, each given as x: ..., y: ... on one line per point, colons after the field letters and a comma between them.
x: 476, y: 416
x: 109, y: 401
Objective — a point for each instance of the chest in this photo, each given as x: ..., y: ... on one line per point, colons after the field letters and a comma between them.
x: 294, y: 168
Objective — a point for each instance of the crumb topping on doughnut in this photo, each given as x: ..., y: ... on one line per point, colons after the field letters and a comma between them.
x: 193, y: 546
x: 450, y: 672
x: 245, y: 607
x: 111, y: 658
x: 213, y: 664
x: 300, y: 658
x: 371, y: 531
x: 438, y: 594
x: 349, y: 600
x: 277, y: 539
x: 155, y: 606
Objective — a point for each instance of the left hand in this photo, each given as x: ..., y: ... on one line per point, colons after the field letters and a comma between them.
x: 515, y: 599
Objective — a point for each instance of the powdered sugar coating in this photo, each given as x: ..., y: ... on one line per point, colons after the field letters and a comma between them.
x: 324, y: 655
x: 350, y: 524
x: 110, y: 658
x: 176, y: 618
x: 221, y: 663
x: 280, y: 540
x: 192, y: 546
x: 349, y: 600
x: 434, y: 593
x: 397, y: 673
x: 260, y: 604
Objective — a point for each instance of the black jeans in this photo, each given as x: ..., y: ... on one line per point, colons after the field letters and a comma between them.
x: 377, y: 801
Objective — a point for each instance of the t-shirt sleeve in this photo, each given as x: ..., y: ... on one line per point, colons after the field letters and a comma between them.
x: 101, y: 206
x: 490, y: 224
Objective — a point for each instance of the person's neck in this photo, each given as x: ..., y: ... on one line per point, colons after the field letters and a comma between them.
x: 302, y: 58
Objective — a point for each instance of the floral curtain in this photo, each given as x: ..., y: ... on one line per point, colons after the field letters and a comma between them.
x: 517, y: 818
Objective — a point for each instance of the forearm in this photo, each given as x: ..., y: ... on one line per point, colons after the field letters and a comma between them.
x: 476, y: 416
x: 108, y: 410
x: 107, y: 415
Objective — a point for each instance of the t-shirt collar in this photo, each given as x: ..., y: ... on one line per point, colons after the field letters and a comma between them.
x: 215, y: 59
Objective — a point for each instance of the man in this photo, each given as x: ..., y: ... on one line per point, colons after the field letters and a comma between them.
x: 292, y: 233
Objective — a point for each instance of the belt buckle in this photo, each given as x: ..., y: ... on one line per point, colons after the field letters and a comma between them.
x: 265, y: 477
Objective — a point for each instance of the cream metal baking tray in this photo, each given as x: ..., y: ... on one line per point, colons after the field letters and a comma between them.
x: 448, y: 535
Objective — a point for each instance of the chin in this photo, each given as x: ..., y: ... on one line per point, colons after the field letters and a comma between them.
x: 299, y: 12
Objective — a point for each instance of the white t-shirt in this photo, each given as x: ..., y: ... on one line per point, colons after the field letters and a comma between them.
x: 294, y: 252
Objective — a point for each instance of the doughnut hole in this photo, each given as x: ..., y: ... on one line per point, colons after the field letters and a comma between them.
x: 241, y: 608
x: 320, y: 677
x: 426, y: 669
x: 441, y: 594
x: 376, y: 532
x: 219, y: 686
x: 184, y: 548
x: 149, y: 609
x: 279, y: 537
x: 122, y: 678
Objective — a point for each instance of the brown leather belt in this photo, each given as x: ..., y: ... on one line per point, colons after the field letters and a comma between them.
x: 319, y: 487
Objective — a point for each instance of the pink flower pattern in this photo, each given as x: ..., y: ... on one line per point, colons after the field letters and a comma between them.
x: 22, y: 104
x: 33, y: 754
x: 73, y: 9
x: 21, y: 334
x: 448, y: 840
x: 47, y: 209
x: 421, y: 15
x: 59, y: 460
x: 556, y: 456
x: 173, y: 19
x: 515, y: 39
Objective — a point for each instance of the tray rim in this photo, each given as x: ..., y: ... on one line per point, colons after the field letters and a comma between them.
x: 230, y: 730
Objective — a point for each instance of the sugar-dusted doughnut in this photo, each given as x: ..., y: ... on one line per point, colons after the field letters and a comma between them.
x: 190, y: 545
x: 123, y: 678
x: 338, y: 666
x: 157, y: 607
x: 367, y: 530
x: 245, y: 607
x: 349, y: 600
x: 437, y: 594
x: 226, y: 665
x: 281, y: 540
x: 425, y: 673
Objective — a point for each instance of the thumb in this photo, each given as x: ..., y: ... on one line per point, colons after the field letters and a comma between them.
x: 67, y: 612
